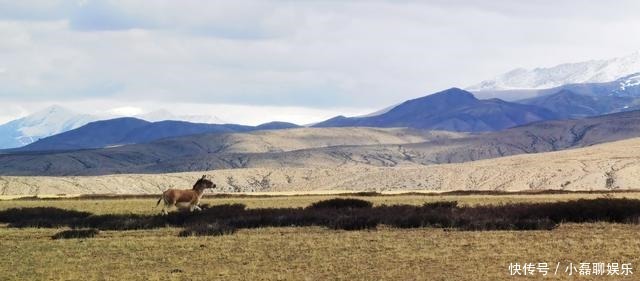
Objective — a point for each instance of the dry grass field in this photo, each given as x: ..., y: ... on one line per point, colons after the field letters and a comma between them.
x: 310, y: 253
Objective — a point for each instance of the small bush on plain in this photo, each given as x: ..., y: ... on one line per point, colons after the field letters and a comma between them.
x: 76, y: 234
x: 341, y: 203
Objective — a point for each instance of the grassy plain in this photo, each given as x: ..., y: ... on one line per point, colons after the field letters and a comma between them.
x: 310, y: 253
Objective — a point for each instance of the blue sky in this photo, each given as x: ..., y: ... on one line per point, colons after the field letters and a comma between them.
x: 300, y: 61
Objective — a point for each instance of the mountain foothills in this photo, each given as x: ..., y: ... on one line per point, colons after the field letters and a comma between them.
x: 607, y: 166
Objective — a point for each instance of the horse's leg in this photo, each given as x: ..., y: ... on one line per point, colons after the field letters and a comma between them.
x: 166, y: 206
x: 194, y: 207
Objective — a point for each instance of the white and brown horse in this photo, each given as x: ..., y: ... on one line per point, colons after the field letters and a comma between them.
x: 186, y: 198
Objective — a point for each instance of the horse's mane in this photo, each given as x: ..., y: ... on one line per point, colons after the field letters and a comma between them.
x: 201, y: 181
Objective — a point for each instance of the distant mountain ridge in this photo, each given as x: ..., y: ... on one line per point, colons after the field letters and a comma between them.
x: 451, y: 110
x: 129, y: 130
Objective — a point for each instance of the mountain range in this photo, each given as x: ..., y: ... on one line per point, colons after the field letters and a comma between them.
x: 325, y: 148
x: 450, y: 110
x: 572, y: 90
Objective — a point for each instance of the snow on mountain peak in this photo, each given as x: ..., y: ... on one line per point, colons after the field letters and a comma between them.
x: 52, y: 120
x: 46, y: 122
x: 630, y: 81
x: 593, y: 71
x: 51, y: 112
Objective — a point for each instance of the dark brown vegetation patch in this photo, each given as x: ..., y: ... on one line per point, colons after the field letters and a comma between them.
x: 341, y: 203
x: 346, y: 214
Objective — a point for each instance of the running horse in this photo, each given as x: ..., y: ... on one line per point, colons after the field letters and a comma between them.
x: 185, y: 198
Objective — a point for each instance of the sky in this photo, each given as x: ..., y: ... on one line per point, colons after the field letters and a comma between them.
x: 251, y: 62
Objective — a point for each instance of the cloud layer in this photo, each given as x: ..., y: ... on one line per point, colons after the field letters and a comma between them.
x: 318, y: 56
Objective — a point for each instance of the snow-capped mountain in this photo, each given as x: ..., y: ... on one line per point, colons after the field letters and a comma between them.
x: 47, y: 122
x: 164, y: 115
x: 593, y: 71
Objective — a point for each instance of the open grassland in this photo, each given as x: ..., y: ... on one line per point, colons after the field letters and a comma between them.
x: 309, y: 253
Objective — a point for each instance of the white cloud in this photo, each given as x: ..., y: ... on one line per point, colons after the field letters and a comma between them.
x: 235, y: 113
x: 308, y: 57
x: 10, y: 112
x: 125, y: 111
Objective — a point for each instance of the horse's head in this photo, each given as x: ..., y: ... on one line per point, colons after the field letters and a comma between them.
x: 203, y: 183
